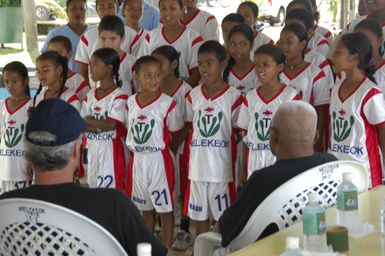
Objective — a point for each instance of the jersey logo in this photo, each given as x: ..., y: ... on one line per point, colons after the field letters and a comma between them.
x: 13, y: 135
x: 262, y: 126
x: 341, y: 126
x: 142, y: 129
x: 208, y: 123
x: 97, y: 115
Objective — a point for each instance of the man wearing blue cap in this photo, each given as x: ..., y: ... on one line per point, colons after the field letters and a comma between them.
x: 52, y: 147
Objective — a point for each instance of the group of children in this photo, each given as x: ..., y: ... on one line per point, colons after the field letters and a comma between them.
x: 173, y: 105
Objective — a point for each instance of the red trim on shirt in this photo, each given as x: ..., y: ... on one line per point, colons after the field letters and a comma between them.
x: 73, y: 98
x: 84, y: 40
x: 371, y: 142
x: 355, y: 89
x: 297, y: 97
x: 319, y: 76
x: 323, y: 41
x: 197, y: 40
x: 136, y: 39
x: 169, y: 169
x: 19, y: 107
x: 147, y: 37
x: 299, y: 72
x: 177, y: 88
x: 215, y: 97
x: 70, y: 75
x: 324, y: 64
x: 81, y: 62
x: 212, y: 17
x: 98, y: 99
x: 328, y: 34
x: 171, y: 42
x: 129, y: 184
x: 122, y: 57
x: 272, y: 98
x: 83, y: 85
x: 188, y: 97
x: 121, y: 97
x: 237, y: 103
x: 143, y: 106
x: 244, y: 75
x: 197, y: 11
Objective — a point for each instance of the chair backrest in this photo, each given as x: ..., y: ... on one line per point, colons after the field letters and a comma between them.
x: 34, y: 227
x: 284, y: 206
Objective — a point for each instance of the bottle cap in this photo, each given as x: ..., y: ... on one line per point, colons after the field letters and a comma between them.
x: 313, y: 197
x: 292, y: 242
x: 347, y: 177
x: 143, y: 248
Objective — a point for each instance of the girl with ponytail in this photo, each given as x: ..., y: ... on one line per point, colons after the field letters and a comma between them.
x: 357, y: 107
x: 52, y: 71
x: 104, y: 113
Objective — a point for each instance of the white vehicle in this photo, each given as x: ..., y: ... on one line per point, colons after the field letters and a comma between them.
x: 273, y: 11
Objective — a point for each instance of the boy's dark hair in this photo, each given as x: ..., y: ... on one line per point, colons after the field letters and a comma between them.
x: 180, y: 2
x: 97, y: 2
x: 253, y: 6
x: 19, y: 68
x: 305, y: 3
x: 147, y: 59
x: 170, y: 53
x: 64, y: 41
x: 109, y: 57
x: 303, y: 15
x: 213, y: 46
x: 233, y: 17
x: 112, y: 23
x: 125, y: 3
x: 371, y: 25
x: 70, y: 1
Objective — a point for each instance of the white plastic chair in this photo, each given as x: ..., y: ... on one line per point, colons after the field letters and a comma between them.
x: 34, y: 227
x: 283, y: 207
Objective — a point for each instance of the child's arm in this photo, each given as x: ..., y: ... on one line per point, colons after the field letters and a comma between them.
x: 94, y: 125
x: 321, y: 122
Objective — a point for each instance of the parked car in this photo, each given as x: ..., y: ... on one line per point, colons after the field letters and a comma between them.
x: 49, y: 10
x: 273, y: 11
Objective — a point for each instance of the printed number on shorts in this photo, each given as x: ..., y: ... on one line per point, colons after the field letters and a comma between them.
x: 105, y: 182
x: 158, y: 195
x: 220, y: 199
x: 20, y: 184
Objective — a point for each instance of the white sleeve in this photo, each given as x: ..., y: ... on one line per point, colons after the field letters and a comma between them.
x: 244, y: 115
x: 374, y: 107
x: 174, y: 118
x: 193, y: 52
x: 189, y: 113
x: 82, y: 55
x: 320, y: 90
x: 323, y: 48
x: 118, y: 110
x: 211, y: 31
x: 235, y: 108
x: 86, y: 109
x: 144, y: 49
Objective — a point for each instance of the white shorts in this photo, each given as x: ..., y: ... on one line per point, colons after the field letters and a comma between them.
x: 8, y: 185
x: 150, y: 182
x: 201, y: 195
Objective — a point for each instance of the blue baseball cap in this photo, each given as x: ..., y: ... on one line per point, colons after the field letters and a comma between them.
x: 57, y: 117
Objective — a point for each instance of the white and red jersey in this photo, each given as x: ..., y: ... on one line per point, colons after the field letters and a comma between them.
x: 354, y: 122
x: 351, y: 25
x: 245, y: 83
x: 379, y: 75
x: 77, y: 84
x: 89, y: 42
x: 137, y: 42
x: 186, y: 44
x: 311, y: 84
x: 319, y: 43
x: 67, y: 95
x: 259, y: 39
x: 13, y: 166
x: 149, y: 126
x: 106, y: 159
x: 319, y: 60
x: 205, y: 24
x: 255, y: 117
x: 212, y: 143
x: 126, y: 73
x: 324, y: 32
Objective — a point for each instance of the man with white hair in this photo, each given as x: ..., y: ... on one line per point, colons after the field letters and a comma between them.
x: 52, y: 147
x: 293, y: 133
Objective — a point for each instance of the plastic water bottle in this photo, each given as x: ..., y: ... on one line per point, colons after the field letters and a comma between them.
x: 382, y: 214
x: 143, y: 249
x: 292, y: 247
x: 314, y: 226
x: 347, y: 203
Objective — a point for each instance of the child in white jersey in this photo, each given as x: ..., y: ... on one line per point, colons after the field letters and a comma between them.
x: 133, y: 12
x: 75, y: 81
x: 152, y: 118
x: 228, y: 22
x: 104, y: 114
x: 373, y: 32
x: 239, y: 72
x: 185, y: 40
x: 212, y: 110
x: 111, y: 35
x: 357, y: 107
x: 260, y: 105
x: 250, y: 11
x: 307, y: 79
x: 14, y: 171
x: 204, y: 23
x: 51, y: 70
x: 172, y: 86
x: 319, y: 29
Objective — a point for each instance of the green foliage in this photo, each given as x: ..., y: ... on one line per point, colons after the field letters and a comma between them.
x: 10, y: 3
